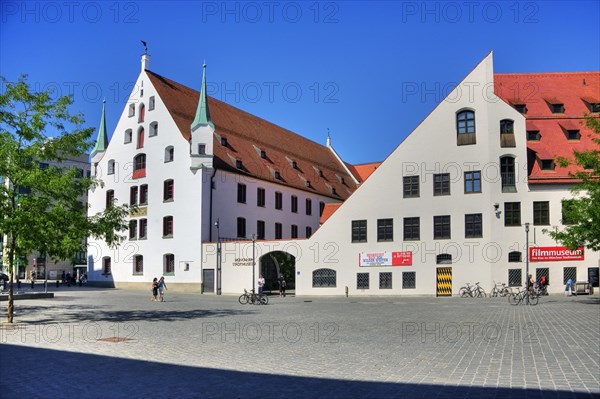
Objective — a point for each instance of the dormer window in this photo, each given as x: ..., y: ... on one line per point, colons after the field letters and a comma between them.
x: 573, y: 134
x: 595, y: 107
x: 294, y: 165
x: 522, y: 108
x: 224, y: 141
x: 277, y: 175
x: 239, y: 164
x: 263, y: 154
x: 533, y: 135
x: 547, y: 164
x: 557, y: 108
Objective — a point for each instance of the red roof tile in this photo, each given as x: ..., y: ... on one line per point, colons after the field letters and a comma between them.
x: 301, y: 163
x: 363, y: 171
x: 329, y: 210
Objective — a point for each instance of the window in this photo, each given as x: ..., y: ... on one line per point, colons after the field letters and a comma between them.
x: 294, y: 231
x: 241, y: 193
x: 473, y: 225
x: 514, y: 257
x: 506, y: 126
x: 201, y: 149
x: 169, y: 264
x: 260, y: 197
x: 239, y: 164
x: 139, y: 166
x: 410, y: 186
x: 151, y: 103
x: 278, y: 200
x: 132, y: 229
x: 278, y: 231
x: 412, y: 228
x: 308, y: 231
x: 263, y: 154
x: 441, y: 227
x: 533, y: 135
x: 547, y: 164
x: 569, y: 211
x: 294, y: 204
x: 110, y: 198
x: 441, y: 184
x: 128, y: 136
x: 111, y: 167
x: 277, y: 175
x: 138, y: 264
x: 241, y: 227
x: 473, y: 182
x: 573, y: 135
x: 143, y: 227
x: 260, y: 229
x: 133, y: 195
x: 321, y: 208
x: 514, y: 277
x: 144, y: 194
x: 385, y: 280
x: 142, y: 113
x: 543, y: 271
x: 168, y: 190
x: 140, y: 138
x: 153, y: 129
x: 507, y: 173
x: 359, y: 231
x: 541, y: 213
x: 106, y: 265
x: 323, y: 278
x: 385, y: 229
x: 557, y: 108
x: 224, y: 141
x: 522, y: 108
x: 443, y: 259
x: 168, y: 226
x: 409, y: 280
x: 131, y: 110
x: 594, y: 107
x: 512, y: 213
x: 362, y: 281
x: 308, y: 207
x: 465, y: 128
x: 507, y: 137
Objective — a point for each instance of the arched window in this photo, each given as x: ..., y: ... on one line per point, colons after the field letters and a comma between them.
x: 128, y: 136
x: 153, y: 129
x: 141, y: 113
x: 139, y: 166
x: 140, y: 137
x: 507, y: 136
x: 169, y: 154
x: 514, y: 256
x: 507, y: 173
x: 324, y: 278
x: 465, y: 127
x: 444, y: 259
x: 138, y: 264
x: 111, y: 167
x: 169, y: 264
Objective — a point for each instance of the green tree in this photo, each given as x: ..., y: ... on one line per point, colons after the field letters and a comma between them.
x: 41, y: 207
x: 583, y: 212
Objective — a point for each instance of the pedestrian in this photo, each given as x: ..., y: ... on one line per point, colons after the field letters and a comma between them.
x: 154, y: 290
x: 261, y: 284
x: 32, y: 279
x: 162, y: 286
x: 282, y: 287
x: 530, y: 283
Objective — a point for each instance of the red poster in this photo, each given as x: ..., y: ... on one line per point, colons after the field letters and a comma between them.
x: 402, y: 258
x: 552, y: 254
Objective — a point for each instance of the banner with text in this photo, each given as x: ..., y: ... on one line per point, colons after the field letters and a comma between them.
x: 386, y: 258
x: 551, y: 254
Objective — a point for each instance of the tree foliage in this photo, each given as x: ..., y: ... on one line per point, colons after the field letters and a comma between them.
x: 42, y: 198
x: 583, y: 212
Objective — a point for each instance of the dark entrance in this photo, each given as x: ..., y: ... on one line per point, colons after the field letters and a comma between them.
x: 276, y: 264
x: 208, y: 279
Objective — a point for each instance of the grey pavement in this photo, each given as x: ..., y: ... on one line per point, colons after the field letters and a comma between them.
x: 108, y: 343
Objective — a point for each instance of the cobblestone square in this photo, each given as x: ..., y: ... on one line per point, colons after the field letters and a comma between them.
x: 94, y: 343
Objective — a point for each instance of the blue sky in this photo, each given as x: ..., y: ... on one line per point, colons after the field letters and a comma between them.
x: 368, y: 71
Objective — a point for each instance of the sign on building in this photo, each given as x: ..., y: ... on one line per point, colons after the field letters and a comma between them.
x: 386, y: 258
x: 552, y: 254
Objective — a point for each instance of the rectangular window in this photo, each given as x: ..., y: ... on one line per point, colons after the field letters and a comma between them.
x: 473, y: 225
x: 110, y: 198
x: 410, y: 186
x: 308, y: 231
x: 385, y: 280
x: 308, y: 206
x: 507, y: 175
x: 441, y: 184
x: 294, y: 204
x: 278, y: 200
x: 533, y: 135
x: 294, y: 231
x: 514, y: 277
x: 409, y: 280
x: 473, y: 182
x: 201, y: 149
x: 168, y: 190
x: 131, y: 110
x: 412, y: 229
x: 359, y: 231
x: 138, y: 264
x: 143, y: 226
x: 512, y: 213
x: 541, y: 213
x: 558, y: 108
x: 144, y: 194
x: 441, y: 227
x: 169, y: 264
x: 385, y: 229
x: 260, y: 229
x: 241, y: 228
x: 573, y: 135
x: 278, y: 231
x: 151, y: 103
x: 569, y: 273
x: 241, y: 193
x: 133, y: 195
x: 133, y: 229
x: 547, y: 164
x: 168, y: 226
x: 260, y: 197
x: 362, y: 281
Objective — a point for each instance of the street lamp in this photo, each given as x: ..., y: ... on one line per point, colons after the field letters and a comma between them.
x: 527, y: 261
x: 253, y: 260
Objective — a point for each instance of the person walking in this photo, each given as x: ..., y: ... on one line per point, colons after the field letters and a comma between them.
x: 162, y: 286
x: 282, y: 286
x: 154, y: 290
x: 261, y: 284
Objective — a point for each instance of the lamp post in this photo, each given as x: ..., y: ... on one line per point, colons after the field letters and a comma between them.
x: 218, y: 258
x: 253, y: 260
x: 527, y: 261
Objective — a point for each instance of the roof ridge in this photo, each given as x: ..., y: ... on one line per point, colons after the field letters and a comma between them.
x: 547, y: 73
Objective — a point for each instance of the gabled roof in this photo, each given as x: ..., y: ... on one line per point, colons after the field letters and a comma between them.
x: 329, y: 210
x: 364, y: 170
x: 299, y: 162
x: 538, y: 92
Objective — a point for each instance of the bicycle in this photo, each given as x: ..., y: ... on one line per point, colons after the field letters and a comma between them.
x: 500, y: 289
x: 472, y: 291
x: 518, y: 297
x: 253, y: 298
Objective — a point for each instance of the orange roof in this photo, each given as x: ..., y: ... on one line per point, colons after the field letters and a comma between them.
x: 363, y: 171
x: 301, y: 163
x: 329, y: 210
x: 538, y: 91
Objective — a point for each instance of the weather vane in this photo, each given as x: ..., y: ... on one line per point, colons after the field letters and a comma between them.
x: 145, y: 47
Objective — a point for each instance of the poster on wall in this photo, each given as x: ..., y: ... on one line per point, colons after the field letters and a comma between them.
x: 386, y: 258
x: 552, y: 254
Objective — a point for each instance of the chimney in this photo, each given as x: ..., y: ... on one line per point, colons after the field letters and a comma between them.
x: 145, y: 61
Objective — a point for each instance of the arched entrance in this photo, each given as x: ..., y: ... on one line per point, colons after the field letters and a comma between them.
x: 275, y: 264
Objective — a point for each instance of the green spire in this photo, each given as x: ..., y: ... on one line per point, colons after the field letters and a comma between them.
x: 102, y: 140
x: 202, y: 114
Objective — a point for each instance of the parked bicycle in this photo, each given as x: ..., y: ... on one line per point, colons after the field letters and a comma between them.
x: 523, y: 296
x: 474, y: 291
x: 253, y: 298
x: 541, y: 289
x: 500, y: 289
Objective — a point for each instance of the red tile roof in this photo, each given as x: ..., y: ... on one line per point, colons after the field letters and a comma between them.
x: 301, y: 163
x: 538, y: 91
x: 363, y: 171
x: 329, y: 210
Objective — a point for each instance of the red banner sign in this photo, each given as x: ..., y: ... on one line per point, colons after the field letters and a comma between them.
x: 552, y: 254
x: 402, y: 258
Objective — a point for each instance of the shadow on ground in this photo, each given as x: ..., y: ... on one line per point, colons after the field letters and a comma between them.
x: 94, y: 376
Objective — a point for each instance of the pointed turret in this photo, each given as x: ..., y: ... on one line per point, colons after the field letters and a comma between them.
x: 102, y: 139
x: 202, y: 117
